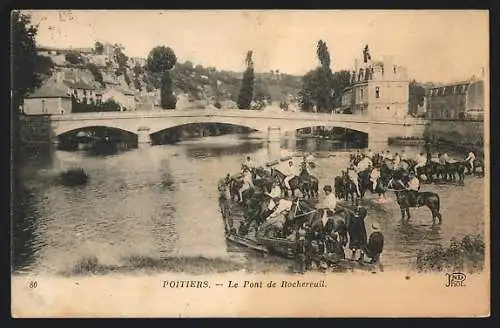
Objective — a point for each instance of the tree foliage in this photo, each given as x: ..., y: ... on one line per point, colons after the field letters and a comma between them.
x: 98, y: 48
x: 318, y: 85
x: 28, y: 68
x: 168, y: 99
x: 161, y: 59
x: 96, y: 73
x: 74, y: 58
x: 245, y: 96
x: 416, y: 97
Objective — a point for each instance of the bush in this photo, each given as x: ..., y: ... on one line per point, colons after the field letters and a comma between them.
x: 73, y: 58
x: 465, y: 255
x: 96, y: 73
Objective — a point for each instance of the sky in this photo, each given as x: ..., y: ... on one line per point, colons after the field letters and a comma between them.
x: 435, y: 46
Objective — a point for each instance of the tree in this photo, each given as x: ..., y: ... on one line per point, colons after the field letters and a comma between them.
x: 160, y: 61
x: 73, y: 58
x: 318, y: 85
x: 416, y: 97
x: 246, y: 92
x: 138, y: 70
x: 96, y: 73
x: 98, y: 48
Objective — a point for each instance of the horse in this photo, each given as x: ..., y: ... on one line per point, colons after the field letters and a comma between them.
x: 235, y: 186
x: 310, y: 184
x: 428, y: 199
x: 295, y: 183
x: 256, y: 211
x: 338, y: 185
x: 365, y: 183
x: 349, y: 188
x: 454, y: 169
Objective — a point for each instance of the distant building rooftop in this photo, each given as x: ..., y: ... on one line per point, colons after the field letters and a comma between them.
x: 49, y: 90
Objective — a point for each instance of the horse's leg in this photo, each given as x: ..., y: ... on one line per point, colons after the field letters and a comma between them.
x: 408, y: 213
x: 402, y: 213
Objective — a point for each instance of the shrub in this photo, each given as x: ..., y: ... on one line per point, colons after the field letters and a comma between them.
x: 465, y: 255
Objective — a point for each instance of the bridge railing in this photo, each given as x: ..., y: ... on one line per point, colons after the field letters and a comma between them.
x: 262, y: 114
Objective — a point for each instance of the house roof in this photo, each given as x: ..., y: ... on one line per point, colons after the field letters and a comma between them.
x: 49, y: 90
x: 80, y: 85
x: 122, y: 90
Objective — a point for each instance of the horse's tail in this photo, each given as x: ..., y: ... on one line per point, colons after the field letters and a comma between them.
x: 438, y: 203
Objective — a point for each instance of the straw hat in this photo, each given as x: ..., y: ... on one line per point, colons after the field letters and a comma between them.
x: 375, y: 226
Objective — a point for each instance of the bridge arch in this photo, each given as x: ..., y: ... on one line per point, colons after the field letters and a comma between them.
x: 81, y: 125
x: 159, y: 126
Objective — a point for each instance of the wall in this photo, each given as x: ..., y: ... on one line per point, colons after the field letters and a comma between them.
x: 38, y: 106
x: 35, y: 129
x: 456, y: 132
x: 124, y: 100
x: 393, y: 100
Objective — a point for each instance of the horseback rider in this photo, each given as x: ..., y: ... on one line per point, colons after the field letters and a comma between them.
x: 413, y: 187
x: 396, y: 160
x: 471, y: 157
x: 421, y: 160
x: 292, y: 172
x: 374, y: 176
x: 353, y: 176
x: 369, y: 154
x: 444, y: 159
x: 249, y: 163
x: 403, y: 156
x: 247, y: 182
x: 364, y: 164
x: 388, y: 155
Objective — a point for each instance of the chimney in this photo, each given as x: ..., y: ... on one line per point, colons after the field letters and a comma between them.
x: 388, y: 65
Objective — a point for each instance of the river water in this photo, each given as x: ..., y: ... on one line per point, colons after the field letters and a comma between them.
x: 155, y: 208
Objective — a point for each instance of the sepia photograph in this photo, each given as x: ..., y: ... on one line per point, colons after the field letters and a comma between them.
x: 267, y: 162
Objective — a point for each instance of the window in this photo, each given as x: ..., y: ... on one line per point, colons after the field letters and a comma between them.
x: 361, y: 94
x: 43, y: 106
x: 377, y: 92
x: 388, y: 108
x: 454, y: 89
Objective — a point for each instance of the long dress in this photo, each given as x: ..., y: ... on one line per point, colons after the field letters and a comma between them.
x: 375, y: 244
x: 357, y: 232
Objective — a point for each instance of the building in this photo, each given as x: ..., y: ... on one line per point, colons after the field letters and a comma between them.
x: 378, y: 89
x: 125, y: 98
x: 456, y: 101
x: 50, y: 98
x: 82, y: 92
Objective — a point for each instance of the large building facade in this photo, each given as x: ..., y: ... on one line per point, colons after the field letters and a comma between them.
x: 378, y: 89
x: 456, y: 101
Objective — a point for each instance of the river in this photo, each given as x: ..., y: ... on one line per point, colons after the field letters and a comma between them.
x: 155, y: 208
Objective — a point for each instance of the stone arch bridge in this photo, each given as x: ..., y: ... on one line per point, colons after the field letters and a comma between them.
x: 275, y: 124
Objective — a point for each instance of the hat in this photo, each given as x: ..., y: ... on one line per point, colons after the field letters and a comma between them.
x: 327, y: 188
x: 375, y: 226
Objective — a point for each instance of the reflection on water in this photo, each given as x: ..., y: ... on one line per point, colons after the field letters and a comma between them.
x: 155, y: 208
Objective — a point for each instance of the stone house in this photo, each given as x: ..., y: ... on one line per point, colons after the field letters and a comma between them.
x: 50, y: 98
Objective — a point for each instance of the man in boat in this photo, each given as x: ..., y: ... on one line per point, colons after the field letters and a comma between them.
x: 292, y: 171
x: 247, y: 182
x: 277, y: 218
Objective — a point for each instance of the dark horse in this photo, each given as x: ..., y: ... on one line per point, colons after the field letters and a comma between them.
x: 349, y: 188
x: 307, y: 184
x: 404, y: 199
x: 256, y: 211
x: 365, y: 183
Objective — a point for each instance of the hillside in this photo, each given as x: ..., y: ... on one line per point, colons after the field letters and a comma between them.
x: 194, y: 85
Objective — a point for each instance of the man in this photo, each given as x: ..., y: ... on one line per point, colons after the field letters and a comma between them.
x: 369, y: 154
x: 413, y: 187
x: 375, y: 244
x: 470, y: 159
x: 353, y: 176
x: 374, y: 176
x: 277, y: 217
x: 403, y: 156
x: 444, y: 159
x: 275, y: 195
x: 388, y: 155
x: 249, y: 163
x: 247, y: 182
x: 327, y: 207
x: 310, y: 158
x: 292, y: 171
x: 421, y: 161
x: 396, y: 160
x: 364, y: 164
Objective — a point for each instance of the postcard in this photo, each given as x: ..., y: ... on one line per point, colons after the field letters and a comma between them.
x: 250, y: 163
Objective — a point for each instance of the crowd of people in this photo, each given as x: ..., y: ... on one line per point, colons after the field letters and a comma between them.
x: 329, y: 226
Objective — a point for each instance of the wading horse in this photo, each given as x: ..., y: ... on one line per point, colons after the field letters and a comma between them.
x: 405, y: 201
x: 304, y: 183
